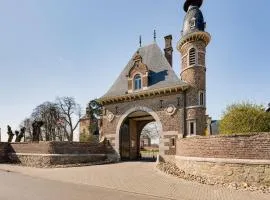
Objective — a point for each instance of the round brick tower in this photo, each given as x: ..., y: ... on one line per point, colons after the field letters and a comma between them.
x: 192, y: 47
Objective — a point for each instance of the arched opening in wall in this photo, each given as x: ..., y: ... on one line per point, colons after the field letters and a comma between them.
x: 139, y: 137
x: 149, y: 141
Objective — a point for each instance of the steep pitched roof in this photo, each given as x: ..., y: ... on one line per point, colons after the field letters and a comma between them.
x: 161, y: 74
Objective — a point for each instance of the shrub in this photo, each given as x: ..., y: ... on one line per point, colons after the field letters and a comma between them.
x: 244, y: 118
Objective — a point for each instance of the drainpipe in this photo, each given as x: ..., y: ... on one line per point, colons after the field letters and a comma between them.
x: 185, y: 113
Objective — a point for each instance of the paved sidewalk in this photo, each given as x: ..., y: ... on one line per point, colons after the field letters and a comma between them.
x: 137, y: 177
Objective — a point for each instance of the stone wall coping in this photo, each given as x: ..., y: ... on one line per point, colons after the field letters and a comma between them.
x: 51, y: 142
x: 54, y: 155
x: 227, y: 136
x: 225, y: 160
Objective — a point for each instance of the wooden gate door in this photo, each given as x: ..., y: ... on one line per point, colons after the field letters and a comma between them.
x: 125, y: 141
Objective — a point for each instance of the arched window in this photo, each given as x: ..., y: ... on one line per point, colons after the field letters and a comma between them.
x: 192, y: 56
x: 137, y: 82
x: 202, y: 98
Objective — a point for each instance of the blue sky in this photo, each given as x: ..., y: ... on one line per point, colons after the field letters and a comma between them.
x: 51, y: 48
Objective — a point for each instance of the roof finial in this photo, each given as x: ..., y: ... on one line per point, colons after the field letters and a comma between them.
x: 192, y: 3
x: 155, y: 35
x: 140, y: 41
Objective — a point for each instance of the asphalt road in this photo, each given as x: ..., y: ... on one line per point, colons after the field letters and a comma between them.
x: 15, y: 186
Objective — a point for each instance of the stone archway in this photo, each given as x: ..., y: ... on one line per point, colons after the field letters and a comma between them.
x: 129, y: 113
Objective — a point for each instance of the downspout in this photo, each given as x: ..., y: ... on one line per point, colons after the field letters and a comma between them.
x: 185, y: 114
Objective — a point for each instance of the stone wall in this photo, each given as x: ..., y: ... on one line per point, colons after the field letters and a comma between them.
x: 226, y: 171
x: 84, y: 126
x: 46, y: 154
x: 49, y: 160
x: 240, y: 159
x: 253, y: 146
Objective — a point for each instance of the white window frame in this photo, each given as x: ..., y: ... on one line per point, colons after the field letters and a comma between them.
x: 134, y: 84
x: 194, y: 128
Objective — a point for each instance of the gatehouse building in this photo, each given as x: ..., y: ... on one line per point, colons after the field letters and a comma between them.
x: 149, y: 90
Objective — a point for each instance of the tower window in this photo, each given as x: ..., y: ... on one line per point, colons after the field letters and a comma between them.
x: 201, y: 98
x: 137, y: 82
x: 192, y: 23
x: 191, y: 128
x: 191, y: 125
x: 192, y: 56
x: 172, y: 141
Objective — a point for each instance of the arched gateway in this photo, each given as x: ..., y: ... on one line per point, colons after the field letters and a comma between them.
x: 148, y: 89
x: 129, y: 128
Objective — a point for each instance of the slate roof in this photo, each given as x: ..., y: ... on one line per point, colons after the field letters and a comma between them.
x: 193, y: 13
x: 161, y: 74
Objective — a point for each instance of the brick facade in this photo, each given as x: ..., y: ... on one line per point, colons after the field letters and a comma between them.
x: 3, y: 151
x: 58, y: 148
x: 223, y: 160
x: 195, y: 75
x: 172, y: 125
x: 255, y: 146
x: 187, y: 105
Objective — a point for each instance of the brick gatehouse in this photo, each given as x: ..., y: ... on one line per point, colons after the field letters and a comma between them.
x: 149, y: 90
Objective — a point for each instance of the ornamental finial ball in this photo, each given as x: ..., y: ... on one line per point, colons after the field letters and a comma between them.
x: 192, y: 3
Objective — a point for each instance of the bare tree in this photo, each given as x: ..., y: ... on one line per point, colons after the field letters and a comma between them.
x: 27, y: 123
x: 60, y: 120
x: 49, y: 113
x: 70, y: 115
x: 151, y: 130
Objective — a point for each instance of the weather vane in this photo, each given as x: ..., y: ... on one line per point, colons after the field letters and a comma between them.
x: 155, y: 35
x: 140, y: 41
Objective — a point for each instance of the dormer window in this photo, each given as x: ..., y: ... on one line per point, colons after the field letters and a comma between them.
x: 192, y: 23
x: 138, y: 75
x: 137, y: 82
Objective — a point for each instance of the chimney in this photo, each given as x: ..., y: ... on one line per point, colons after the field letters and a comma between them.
x: 168, y: 49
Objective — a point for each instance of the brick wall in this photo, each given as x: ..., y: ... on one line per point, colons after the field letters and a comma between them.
x: 77, y: 148
x: 59, y: 148
x: 169, y: 123
x: 3, y: 150
x: 254, y: 146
